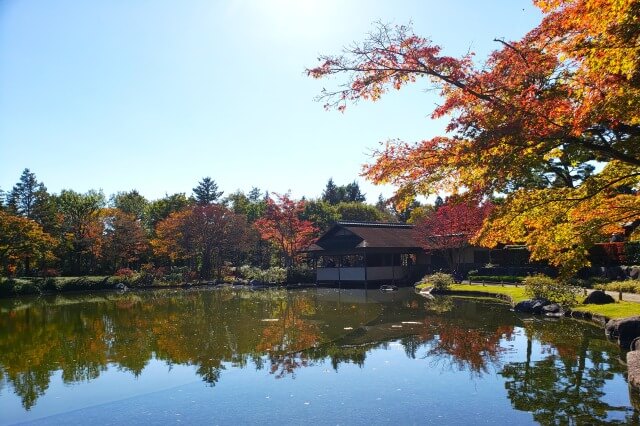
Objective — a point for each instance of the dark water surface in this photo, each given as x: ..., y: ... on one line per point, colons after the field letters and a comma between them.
x: 317, y: 356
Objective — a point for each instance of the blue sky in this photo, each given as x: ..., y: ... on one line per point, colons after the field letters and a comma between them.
x: 156, y: 94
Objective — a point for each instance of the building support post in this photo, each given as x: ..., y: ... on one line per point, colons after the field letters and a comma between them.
x: 393, y: 268
x: 365, y: 269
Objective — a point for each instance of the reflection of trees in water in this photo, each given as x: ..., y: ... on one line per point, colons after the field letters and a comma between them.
x: 214, y: 329
x: 465, y: 348
x: 567, y: 384
x: 82, y: 336
x: 294, y: 331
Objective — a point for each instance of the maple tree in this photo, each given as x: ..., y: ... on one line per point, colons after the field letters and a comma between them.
x: 206, y: 235
x: 22, y: 239
x: 449, y: 229
x: 532, y: 123
x: 281, y: 224
x: 125, y: 241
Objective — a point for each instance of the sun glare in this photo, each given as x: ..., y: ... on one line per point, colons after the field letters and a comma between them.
x: 300, y: 18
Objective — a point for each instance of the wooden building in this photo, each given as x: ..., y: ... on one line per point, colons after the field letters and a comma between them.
x: 368, y: 254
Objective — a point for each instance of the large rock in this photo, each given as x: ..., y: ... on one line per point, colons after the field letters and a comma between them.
x: 532, y: 306
x: 634, y: 273
x: 598, y: 297
x: 625, y: 330
x: 553, y: 310
x: 633, y: 368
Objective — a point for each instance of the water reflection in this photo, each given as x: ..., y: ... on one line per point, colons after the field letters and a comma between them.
x: 567, y: 380
x: 555, y: 370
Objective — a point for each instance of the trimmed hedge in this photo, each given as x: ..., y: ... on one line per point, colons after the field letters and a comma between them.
x: 496, y: 278
x: 24, y: 286
x: 623, y: 286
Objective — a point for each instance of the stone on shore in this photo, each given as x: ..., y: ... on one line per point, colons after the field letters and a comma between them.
x: 633, y: 366
x: 625, y: 330
x: 532, y: 306
x: 598, y: 297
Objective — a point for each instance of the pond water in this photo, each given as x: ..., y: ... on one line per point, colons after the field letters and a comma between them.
x: 316, y: 356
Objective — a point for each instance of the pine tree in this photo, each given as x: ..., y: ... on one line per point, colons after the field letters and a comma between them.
x: 24, y: 195
x: 439, y: 202
x: 254, y: 194
x: 331, y: 193
x: 207, y: 191
x: 353, y: 194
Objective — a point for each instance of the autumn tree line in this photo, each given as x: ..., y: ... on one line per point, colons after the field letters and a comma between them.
x: 77, y: 234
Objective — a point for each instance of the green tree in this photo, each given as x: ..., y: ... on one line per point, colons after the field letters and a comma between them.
x: 254, y: 194
x: 331, y: 193
x: 29, y: 198
x: 158, y: 210
x: 321, y: 213
x: 251, y: 206
x: 82, y: 228
x: 24, y: 195
x: 131, y: 203
x: 360, y: 212
x: 334, y: 194
x: 207, y: 192
x: 352, y: 193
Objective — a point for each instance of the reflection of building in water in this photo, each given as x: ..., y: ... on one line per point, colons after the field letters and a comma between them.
x: 367, y: 254
x: 355, y: 295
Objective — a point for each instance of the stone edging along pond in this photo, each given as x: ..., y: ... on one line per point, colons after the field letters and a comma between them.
x: 625, y: 330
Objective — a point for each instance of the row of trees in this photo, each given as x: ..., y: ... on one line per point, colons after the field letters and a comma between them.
x: 550, y: 122
x: 74, y: 233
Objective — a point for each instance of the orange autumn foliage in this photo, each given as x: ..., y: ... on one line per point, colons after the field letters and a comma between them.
x: 552, y: 121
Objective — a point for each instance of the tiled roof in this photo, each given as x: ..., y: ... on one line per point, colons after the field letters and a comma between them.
x: 370, y: 235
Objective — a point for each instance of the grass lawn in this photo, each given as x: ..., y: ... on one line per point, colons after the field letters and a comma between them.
x: 614, y: 310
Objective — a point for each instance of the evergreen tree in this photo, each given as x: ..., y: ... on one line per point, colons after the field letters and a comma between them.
x: 207, y: 191
x: 331, y: 193
x: 439, y: 202
x: 29, y: 198
x: 353, y: 194
x: 254, y: 194
x: 24, y: 196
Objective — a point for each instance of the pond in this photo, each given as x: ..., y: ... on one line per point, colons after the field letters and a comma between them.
x: 316, y: 356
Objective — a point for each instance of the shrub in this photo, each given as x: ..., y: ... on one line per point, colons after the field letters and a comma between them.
x: 50, y: 272
x: 543, y: 287
x: 271, y: 275
x: 301, y: 274
x: 440, y: 281
x: 124, y: 272
x: 276, y: 275
x: 16, y: 286
x: 248, y: 272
